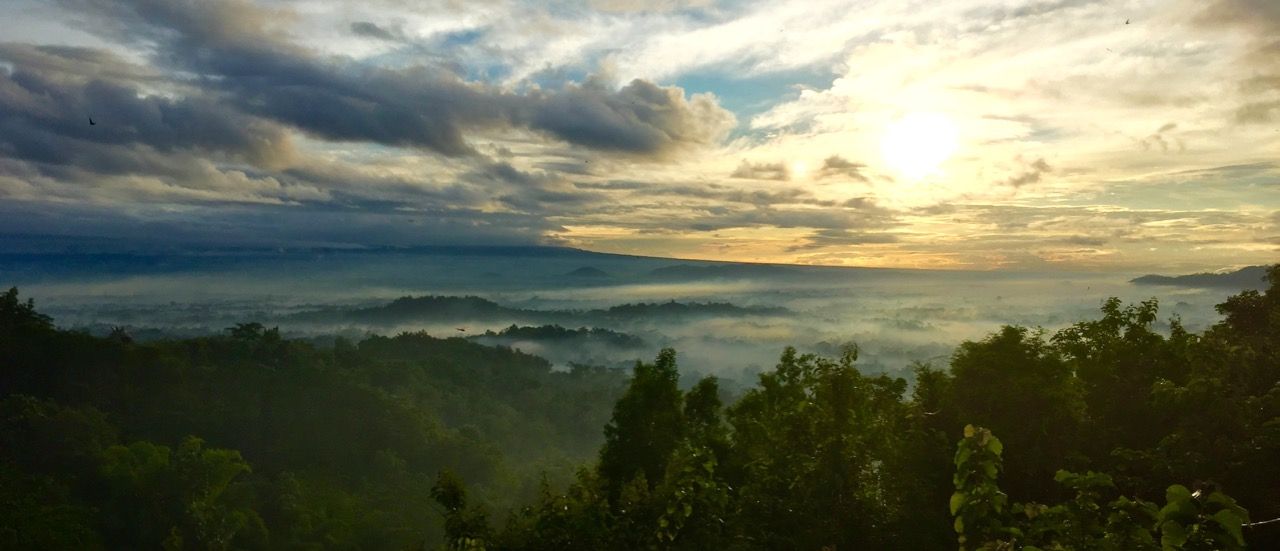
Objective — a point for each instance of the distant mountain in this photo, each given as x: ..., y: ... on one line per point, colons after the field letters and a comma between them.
x: 559, y: 335
x: 589, y: 272
x: 472, y: 308
x: 1252, y: 277
x: 683, y: 310
x: 415, y: 309
x: 722, y: 271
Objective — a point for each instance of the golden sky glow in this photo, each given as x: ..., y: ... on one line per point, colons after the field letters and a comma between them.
x: 988, y: 134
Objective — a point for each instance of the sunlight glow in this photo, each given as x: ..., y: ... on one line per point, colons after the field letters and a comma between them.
x: 915, y: 145
x: 799, y: 170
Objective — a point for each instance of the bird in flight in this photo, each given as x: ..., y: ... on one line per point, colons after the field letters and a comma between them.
x: 1126, y: 21
x: 91, y: 123
x: 461, y: 329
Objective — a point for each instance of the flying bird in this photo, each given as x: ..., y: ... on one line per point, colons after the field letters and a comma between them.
x: 91, y: 123
x: 1126, y: 21
x: 461, y: 329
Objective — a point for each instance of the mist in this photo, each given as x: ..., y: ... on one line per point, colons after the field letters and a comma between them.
x: 728, y: 320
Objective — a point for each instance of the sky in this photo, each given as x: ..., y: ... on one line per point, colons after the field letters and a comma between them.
x: 1133, y: 135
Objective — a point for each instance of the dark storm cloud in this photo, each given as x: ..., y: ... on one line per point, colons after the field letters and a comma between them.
x: 233, y: 46
x: 271, y: 225
x: 77, y: 63
x: 640, y: 118
x: 44, y: 116
x: 206, y: 123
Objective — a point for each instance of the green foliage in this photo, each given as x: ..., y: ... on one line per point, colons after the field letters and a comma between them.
x: 465, y: 528
x: 16, y: 316
x: 183, y: 497
x: 355, y: 446
x: 979, y: 507
x: 1189, y: 520
x: 344, y: 444
x: 646, y: 427
x: 1019, y: 385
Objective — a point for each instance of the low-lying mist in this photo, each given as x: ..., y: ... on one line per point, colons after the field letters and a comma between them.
x: 724, y: 320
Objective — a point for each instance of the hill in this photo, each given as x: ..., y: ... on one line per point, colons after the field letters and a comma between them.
x: 589, y: 272
x: 473, y: 308
x: 1252, y: 277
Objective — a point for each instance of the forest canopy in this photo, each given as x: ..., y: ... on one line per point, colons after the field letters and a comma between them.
x: 1108, y: 434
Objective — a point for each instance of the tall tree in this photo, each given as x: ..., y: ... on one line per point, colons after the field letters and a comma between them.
x: 646, y: 427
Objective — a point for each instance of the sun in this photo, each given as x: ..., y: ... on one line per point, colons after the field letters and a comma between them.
x: 799, y: 170
x: 915, y: 145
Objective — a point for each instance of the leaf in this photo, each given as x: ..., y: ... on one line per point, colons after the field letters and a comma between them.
x: 957, y: 501
x: 958, y: 525
x: 1180, y: 505
x: 995, y: 446
x: 968, y: 431
x: 1223, y: 500
x: 1230, y: 522
x: 1176, y: 492
x: 1172, y: 536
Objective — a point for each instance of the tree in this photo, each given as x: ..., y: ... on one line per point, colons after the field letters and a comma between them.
x: 178, y: 497
x: 985, y: 520
x: 646, y: 427
x: 466, y: 528
x: 16, y: 315
x: 1014, y: 382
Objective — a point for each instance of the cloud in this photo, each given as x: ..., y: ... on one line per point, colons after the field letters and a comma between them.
x: 640, y: 118
x: 1163, y: 139
x: 761, y: 171
x: 609, y: 124
x: 272, y: 225
x: 1260, y: 21
x: 372, y: 30
x: 835, y: 166
x: 1258, y: 112
x: 1085, y: 241
x: 837, y: 237
x: 44, y: 115
x: 1030, y: 175
x: 1261, y: 16
x: 234, y: 46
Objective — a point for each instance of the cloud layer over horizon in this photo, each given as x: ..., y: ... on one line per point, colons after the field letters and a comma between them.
x: 1089, y: 134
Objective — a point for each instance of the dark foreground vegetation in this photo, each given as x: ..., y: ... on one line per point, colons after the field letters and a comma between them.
x: 1105, y: 435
